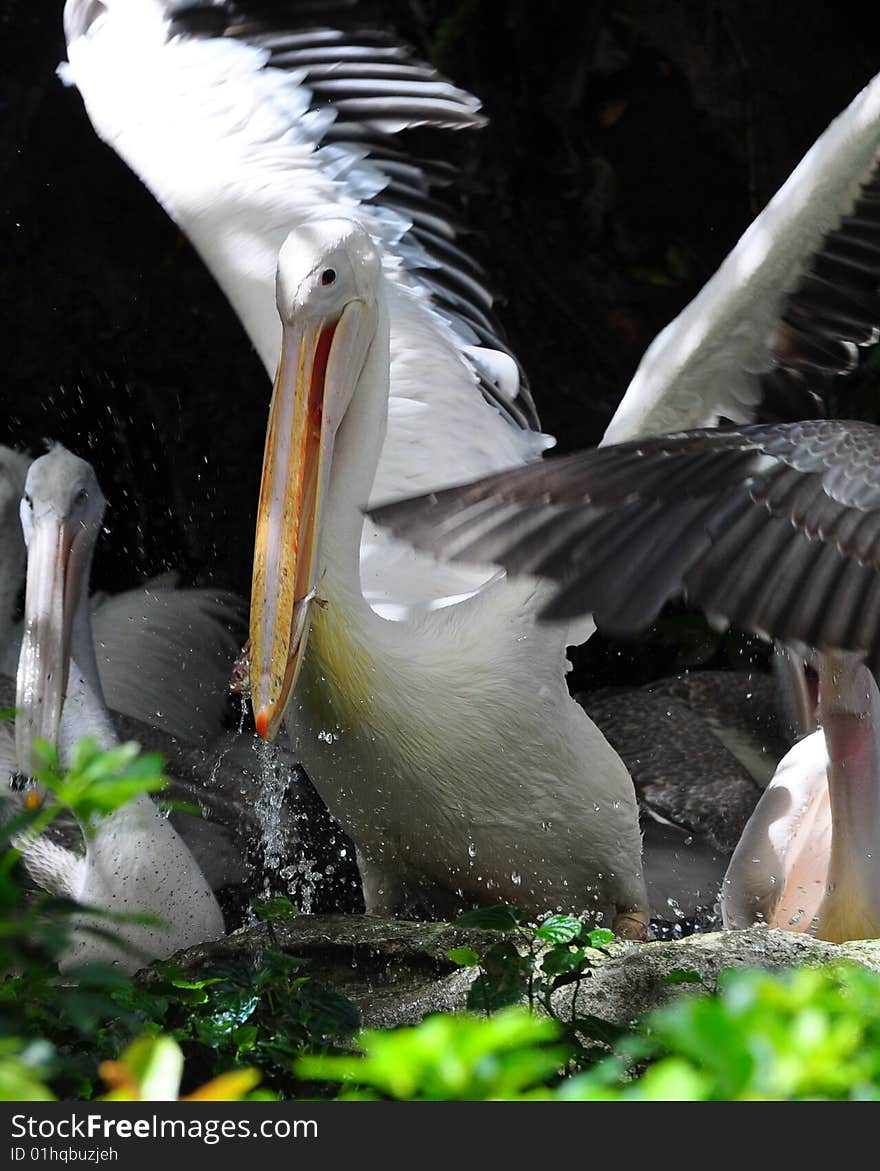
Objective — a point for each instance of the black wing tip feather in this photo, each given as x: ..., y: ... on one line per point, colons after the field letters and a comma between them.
x: 407, y: 97
x: 833, y: 310
x: 786, y: 546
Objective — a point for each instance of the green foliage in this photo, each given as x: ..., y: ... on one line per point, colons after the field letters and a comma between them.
x: 804, y: 1034
x: 23, y: 1069
x: 275, y: 909
x: 531, y: 962
x: 243, y: 1013
x: 98, y: 781
x: 449, y: 1058
x: 807, y: 1034
x: 33, y: 931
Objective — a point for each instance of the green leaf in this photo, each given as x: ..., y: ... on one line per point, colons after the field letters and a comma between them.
x: 465, y: 957
x: 501, y: 918
x: 20, y: 1083
x: 681, y: 976
x: 559, y: 929
x: 599, y: 937
x: 503, y: 980
x: 561, y: 960
x: 277, y: 907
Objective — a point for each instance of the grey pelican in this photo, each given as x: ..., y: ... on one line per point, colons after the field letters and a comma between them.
x: 701, y: 748
x: 134, y: 862
x: 246, y: 132
x: 163, y: 654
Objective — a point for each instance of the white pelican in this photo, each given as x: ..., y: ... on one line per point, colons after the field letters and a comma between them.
x: 163, y: 654
x: 446, y: 742
x: 134, y: 862
x: 415, y: 732
x: 803, y: 861
x: 774, y: 527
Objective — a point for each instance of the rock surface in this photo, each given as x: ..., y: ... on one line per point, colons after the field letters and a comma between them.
x: 395, y: 971
x: 398, y: 971
x: 635, y: 978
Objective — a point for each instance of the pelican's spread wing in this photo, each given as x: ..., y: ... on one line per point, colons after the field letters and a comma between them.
x: 786, y: 310
x: 165, y: 655
x: 775, y: 528
x: 243, y: 126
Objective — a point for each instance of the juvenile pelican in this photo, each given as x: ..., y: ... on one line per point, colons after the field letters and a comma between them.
x: 134, y: 862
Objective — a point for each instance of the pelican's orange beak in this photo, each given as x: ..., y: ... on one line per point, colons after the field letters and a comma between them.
x: 321, y: 360
x: 286, y: 544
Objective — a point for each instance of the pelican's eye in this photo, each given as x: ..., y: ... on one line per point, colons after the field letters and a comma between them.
x: 81, y: 496
x: 328, y: 276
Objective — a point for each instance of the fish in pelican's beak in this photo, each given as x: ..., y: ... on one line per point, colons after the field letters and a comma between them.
x: 61, y: 512
x: 326, y: 295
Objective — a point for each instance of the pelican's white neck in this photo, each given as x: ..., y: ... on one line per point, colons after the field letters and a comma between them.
x: 356, y: 451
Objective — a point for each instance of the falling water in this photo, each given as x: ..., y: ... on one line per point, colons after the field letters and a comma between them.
x: 288, y: 866
x: 274, y: 776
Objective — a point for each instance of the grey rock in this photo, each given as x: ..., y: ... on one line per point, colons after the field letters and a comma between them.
x: 633, y: 979
x: 397, y: 971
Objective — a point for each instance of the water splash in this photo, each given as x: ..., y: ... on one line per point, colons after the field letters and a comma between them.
x: 274, y: 777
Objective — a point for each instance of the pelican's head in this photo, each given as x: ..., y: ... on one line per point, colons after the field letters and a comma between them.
x: 61, y: 512
x: 326, y: 292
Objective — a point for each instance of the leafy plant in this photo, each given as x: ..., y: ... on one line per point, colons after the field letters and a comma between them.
x: 809, y: 1033
x: 57, y: 1033
x: 531, y: 962
x: 804, y: 1034
x: 449, y: 1058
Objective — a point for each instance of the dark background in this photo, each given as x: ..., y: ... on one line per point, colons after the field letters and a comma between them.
x: 630, y: 145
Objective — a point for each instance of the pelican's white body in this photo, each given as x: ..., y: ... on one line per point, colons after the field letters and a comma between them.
x: 779, y: 870
x: 809, y: 857
x: 134, y: 863
x: 447, y: 744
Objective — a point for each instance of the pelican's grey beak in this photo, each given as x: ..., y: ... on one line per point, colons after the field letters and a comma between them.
x: 54, y: 582
x: 319, y: 366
